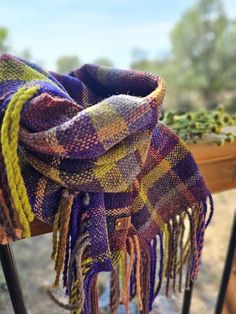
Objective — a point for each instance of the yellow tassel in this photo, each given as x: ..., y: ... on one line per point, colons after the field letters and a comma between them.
x: 9, y: 140
x: 74, y: 296
x: 166, y: 236
x: 122, y: 268
x: 54, y: 235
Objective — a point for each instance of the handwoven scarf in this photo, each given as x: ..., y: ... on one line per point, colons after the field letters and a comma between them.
x: 86, y: 153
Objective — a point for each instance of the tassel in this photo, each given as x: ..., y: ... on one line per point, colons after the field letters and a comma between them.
x: 75, y: 287
x: 125, y: 292
x: 192, y: 219
x: 94, y: 295
x: 144, y: 279
x: 8, y: 224
x: 138, y: 270
x: 66, y: 261
x: 200, y: 237
x: 65, y: 211
x: 152, y: 249
x: 54, y: 235
x: 122, y: 270
x: 114, y: 291
x: 9, y: 139
x: 73, y: 235
x: 76, y: 255
x: 69, y: 306
x: 175, y: 251
x: 166, y: 236
x: 133, y: 282
x: 182, y: 229
x: 160, y: 275
x: 169, y: 261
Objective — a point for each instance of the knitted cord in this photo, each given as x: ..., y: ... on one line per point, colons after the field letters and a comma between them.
x: 9, y: 140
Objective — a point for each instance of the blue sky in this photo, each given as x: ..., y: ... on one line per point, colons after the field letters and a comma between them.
x: 92, y: 28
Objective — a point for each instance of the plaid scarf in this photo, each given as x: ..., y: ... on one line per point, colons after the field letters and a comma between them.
x: 85, y: 152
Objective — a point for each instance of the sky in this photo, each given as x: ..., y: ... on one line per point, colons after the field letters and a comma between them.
x: 92, y: 29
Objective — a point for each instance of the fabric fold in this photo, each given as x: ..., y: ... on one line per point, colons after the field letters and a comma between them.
x: 86, y: 153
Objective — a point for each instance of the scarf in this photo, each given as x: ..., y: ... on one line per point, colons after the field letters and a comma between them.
x: 87, y: 154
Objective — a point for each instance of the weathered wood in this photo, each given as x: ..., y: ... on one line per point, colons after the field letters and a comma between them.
x: 217, y: 165
x: 38, y: 227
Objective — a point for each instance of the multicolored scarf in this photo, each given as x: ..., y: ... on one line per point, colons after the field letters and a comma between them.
x: 86, y: 153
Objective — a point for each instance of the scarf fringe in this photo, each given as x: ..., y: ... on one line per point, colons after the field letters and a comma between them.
x: 70, y: 252
x: 173, y: 252
x: 141, y: 271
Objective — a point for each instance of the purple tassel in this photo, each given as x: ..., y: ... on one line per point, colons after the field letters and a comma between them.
x: 87, y: 289
x: 75, y: 218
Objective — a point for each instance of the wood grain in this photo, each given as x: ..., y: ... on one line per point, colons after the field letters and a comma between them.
x: 217, y: 165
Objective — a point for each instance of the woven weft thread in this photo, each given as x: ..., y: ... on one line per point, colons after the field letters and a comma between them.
x: 86, y: 153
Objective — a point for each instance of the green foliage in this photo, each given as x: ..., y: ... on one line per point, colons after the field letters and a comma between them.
x: 201, y: 65
x: 67, y: 63
x: 191, y: 126
x: 3, y: 39
x: 204, y: 45
x: 104, y: 61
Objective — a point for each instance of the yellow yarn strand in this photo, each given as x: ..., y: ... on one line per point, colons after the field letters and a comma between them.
x: 54, y: 236
x: 122, y: 268
x: 9, y: 139
x: 166, y: 236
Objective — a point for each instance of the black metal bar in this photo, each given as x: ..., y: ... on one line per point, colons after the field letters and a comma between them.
x: 227, y: 269
x: 12, y: 279
x: 187, y: 299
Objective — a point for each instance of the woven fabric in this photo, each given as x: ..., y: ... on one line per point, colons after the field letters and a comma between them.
x: 91, y: 151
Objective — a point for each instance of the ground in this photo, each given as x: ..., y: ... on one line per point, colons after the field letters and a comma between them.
x: 36, y: 269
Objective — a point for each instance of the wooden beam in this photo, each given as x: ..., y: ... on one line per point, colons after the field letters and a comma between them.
x: 217, y: 165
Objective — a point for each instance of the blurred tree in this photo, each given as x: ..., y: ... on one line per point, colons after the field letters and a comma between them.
x: 26, y: 54
x: 104, y: 61
x: 200, y: 69
x: 67, y: 63
x: 139, y: 54
x: 3, y: 39
x: 203, y: 47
